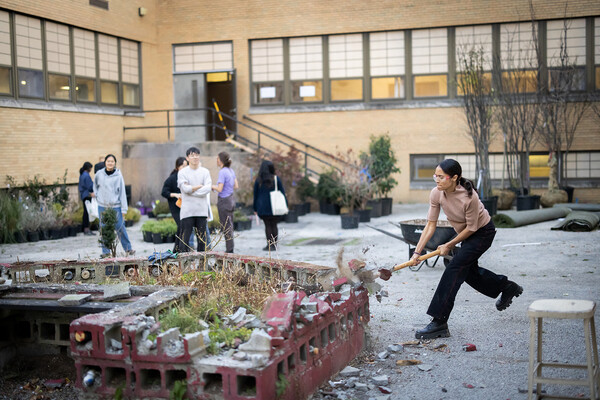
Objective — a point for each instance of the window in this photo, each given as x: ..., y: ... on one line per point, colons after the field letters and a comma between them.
x: 583, y: 165
x: 5, y: 54
x: 386, y: 52
x: 203, y: 57
x: 423, y: 167
x: 566, y: 72
x: 474, y: 44
x: 538, y: 166
x: 28, y: 35
x: 267, y: 71
x: 130, y: 73
x: 58, y: 57
x: 84, y: 50
x: 346, y: 67
x: 108, y: 65
x: 518, y: 57
x: 430, y: 62
x: 306, y: 69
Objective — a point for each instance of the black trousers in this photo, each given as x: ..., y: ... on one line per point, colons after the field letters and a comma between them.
x: 187, y: 225
x: 225, y: 206
x: 85, y: 221
x: 464, y: 267
x: 271, y: 228
x: 175, y: 212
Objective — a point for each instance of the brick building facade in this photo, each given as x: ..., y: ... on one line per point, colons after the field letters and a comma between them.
x: 328, y: 73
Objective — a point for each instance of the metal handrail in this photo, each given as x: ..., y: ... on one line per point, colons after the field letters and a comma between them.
x: 324, y: 158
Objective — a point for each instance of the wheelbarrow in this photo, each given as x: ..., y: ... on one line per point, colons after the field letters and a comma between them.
x: 411, y: 233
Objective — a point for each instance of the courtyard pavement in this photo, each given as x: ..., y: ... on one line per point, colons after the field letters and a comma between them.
x: 548, y: 264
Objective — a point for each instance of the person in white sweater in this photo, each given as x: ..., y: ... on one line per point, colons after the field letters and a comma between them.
x: 195, y: 185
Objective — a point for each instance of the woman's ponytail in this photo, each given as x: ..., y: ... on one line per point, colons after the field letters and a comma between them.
x: 467, y: 184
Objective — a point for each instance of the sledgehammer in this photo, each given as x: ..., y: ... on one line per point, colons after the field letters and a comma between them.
x: 386, y: 274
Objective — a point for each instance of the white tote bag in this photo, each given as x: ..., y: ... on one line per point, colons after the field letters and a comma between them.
x: 92, y: 208
x: 278, y: 203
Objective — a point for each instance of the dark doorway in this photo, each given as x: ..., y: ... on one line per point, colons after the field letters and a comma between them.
x: 220, y: 87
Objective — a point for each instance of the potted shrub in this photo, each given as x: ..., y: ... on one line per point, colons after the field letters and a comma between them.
x: 10, y: 215
x: 383, y: 165
x: 108, y: 233
x: 161, y: 209
x: 168, y: 230
x: 132, y: 216
x: 30, y: 221
x: 356, y: 188
x: 147, y: 229
x: 329, y: 192
x: 241, y: 222
x: 306, y: 189
x: 47, y: 221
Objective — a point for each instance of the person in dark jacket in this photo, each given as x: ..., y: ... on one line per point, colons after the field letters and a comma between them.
x: 263, y: 186
x: 171, y: 192
x: 86, y: 192
x: 99, y: 165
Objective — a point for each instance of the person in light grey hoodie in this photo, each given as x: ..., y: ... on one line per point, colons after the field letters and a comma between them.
x: 110, y: 193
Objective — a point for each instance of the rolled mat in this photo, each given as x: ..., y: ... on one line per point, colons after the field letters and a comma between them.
x: 513, y: 219
x: 578, y: 221
x: 580, y: 206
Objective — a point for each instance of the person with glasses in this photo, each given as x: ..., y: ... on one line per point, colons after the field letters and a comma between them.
x: 195, y: 185
x: 475, y: 231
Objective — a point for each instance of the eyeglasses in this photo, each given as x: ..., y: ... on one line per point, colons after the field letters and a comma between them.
x: 438, y: 178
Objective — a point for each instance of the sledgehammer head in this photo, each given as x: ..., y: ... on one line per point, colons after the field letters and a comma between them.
x: 385, y: 274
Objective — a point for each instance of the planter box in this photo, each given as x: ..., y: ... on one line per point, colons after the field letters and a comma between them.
x: 291, y: 217
x: 20, y: 237
x: 128, y: 223
x: 147, y: 236
x: 73, y: 230
x: 157, y: 238
x: 33, y: 236
x: 528, y: 202
x: 386, y: 206
x: 363, y: 215
x: 375, y: 206
x: 242, y: 225
x: 491, y: 204
x: 349, y: 221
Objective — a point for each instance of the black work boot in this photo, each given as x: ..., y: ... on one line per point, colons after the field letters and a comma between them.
x: 509, y: 291
x: 437, y: 328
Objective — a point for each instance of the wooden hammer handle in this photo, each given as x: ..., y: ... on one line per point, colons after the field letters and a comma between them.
x: 421, y: 258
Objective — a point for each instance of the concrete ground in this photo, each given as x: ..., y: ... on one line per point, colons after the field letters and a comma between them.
x: 548, y: 264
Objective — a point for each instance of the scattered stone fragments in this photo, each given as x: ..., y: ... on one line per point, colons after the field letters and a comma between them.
x: 350, y: 371
x: 74, y: 299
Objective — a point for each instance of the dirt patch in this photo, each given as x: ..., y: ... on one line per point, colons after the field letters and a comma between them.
x: 26, y: 378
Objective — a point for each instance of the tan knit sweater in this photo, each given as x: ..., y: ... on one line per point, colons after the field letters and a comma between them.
x: 461, y: 210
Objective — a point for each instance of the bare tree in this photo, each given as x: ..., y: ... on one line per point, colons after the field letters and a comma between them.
x: 515, y: 78
x: 562, y: 109
x: 475, y: 88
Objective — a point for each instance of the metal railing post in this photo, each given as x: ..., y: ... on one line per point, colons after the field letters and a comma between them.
x: 168, y: 126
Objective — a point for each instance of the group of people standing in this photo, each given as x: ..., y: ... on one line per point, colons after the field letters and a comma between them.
x: 108, y: 188
x: 187, y: 190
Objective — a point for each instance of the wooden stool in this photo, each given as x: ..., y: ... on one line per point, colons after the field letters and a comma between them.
x: 562, y: 309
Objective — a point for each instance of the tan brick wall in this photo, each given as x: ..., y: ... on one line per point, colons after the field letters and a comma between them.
x: 79, y: 136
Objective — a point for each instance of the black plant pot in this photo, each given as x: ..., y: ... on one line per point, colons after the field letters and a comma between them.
x: 322, y: 206
x: 64, y: 232
x: 73, y: 229
x: 242, y: 225
x: 300, y: 209
x: 569, y: 190
x: 33, y: 236
x: 333, y: 209
x: 349, y: 221
x: 44, y: 234
x: 147, y: 236
x: 528, y: 202
x: 157, y: 238
x: 55, y: 233
x: 307, y: 207
x: 364, y: 215
x: 169, y: 239
x: 386, y: 206
x: 291, y: 217
x: 20, y: 237
x: 491, y: 204
x: 375, y: 208
x: 128, y: 223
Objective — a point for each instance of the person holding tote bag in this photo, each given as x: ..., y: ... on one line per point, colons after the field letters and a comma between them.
x: 86, y: 192
x: 263, y: 186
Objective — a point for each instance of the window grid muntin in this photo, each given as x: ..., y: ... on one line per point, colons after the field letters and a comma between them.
x: 597, y: 40
x: 108, y: 57
x: 575, y: 44
x: 477, y: 37
x: 430, y: 51
x: 5, y: 44
x: 306, y: 58
x: 203, y: 57
x: 84, y: 50
x: 583, y: 165
x: 129, y: 61
x: 58, y: 48
x: 267, y: 60
x: 28, y: 37
x: 517, y: 47
x: 346, y: 56
x: 386, y: 53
